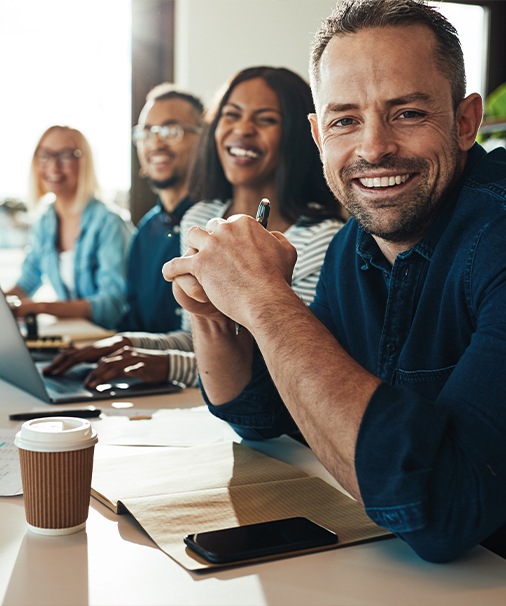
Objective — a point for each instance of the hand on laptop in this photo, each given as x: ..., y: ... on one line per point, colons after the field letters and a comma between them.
x: 145, y: 365
x: 92, y: 353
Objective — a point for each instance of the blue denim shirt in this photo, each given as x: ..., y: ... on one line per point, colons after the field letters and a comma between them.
x: 431, y: 451
x: 151, y: 304
x: 99, y: 261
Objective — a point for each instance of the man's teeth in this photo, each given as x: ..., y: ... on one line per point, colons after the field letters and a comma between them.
x: 383, y: 181
x: 243, y: 153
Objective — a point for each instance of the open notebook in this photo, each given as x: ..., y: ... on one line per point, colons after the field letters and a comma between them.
x: 172, y: 492
x: 19, y: 368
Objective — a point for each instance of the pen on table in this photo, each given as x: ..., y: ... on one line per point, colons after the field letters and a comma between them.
x: 84, y: 413
x: 262, y: 217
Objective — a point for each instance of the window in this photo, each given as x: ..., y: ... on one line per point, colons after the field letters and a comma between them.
x: 66, y: 62
x: 471, y: 23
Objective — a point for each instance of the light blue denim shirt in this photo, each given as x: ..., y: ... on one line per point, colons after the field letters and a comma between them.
x: 99, y: 262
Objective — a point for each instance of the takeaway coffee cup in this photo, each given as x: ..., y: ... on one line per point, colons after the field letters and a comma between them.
x: 56, y: 456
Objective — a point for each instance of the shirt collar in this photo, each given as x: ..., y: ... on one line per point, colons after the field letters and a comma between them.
x: 174, y: 218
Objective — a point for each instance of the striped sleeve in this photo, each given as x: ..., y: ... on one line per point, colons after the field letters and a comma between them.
x: 311, y: 243
x: 178, y: 345
x: 199, y: 214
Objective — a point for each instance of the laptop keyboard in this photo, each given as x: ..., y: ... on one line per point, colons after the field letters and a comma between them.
x: 71, y: 381
x: 65, y: 384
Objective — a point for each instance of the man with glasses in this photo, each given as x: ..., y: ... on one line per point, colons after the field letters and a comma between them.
x: 166, y: 139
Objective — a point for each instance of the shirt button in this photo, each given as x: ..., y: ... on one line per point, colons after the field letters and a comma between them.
x: 391, y: 347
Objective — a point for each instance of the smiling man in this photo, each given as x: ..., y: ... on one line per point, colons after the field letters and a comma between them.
x: 166, y: 137
x: 395, y: 377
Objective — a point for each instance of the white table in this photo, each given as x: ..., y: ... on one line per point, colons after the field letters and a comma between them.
x: 115, y: 563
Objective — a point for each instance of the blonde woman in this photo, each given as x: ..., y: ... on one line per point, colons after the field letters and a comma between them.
x: 78, y: 243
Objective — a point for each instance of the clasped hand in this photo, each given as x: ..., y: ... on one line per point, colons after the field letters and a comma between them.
x: 230, y: 268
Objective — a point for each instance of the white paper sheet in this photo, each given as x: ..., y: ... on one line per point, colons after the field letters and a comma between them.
x: 179, y: 427
x: 10, y: 470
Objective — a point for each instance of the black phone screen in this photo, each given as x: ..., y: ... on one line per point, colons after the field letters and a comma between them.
x: 256, y: 540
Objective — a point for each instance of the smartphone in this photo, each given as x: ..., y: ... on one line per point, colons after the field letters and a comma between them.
x: 258, y: 540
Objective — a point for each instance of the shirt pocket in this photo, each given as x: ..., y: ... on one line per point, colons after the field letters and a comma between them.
x: 427, y: 383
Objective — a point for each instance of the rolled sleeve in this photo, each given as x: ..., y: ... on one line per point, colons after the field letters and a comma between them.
x: 397, y: 446
x: 424, y: 477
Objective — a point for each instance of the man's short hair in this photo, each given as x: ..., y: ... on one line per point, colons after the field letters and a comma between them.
x: 351, y: 16
x: 167, y: 90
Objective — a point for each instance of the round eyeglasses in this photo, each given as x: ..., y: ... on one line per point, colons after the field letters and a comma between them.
x: 65, y: 157
x: 173, y: 133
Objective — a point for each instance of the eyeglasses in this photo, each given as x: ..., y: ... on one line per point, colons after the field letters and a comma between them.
x: 65, y: 157
x: 173, y: 133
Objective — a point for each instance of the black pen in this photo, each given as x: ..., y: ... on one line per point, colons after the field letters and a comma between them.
x: 84, y: 413
x: 262, y: 217
x: 264, y: 208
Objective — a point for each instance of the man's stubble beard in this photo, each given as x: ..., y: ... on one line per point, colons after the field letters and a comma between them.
x: 165, y: 184
x: 416, y: 212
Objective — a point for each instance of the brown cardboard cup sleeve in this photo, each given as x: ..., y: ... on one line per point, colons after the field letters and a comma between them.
x: 56, y: 457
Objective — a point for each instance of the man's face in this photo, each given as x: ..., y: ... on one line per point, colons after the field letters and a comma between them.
x: 166, y: 163
x: 386, y: 129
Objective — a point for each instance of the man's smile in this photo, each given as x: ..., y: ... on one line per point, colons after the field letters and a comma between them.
x: 386, y: 181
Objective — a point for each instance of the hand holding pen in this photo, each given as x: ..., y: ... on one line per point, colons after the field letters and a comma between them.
x: 262, y: 217
x: 190, y: 275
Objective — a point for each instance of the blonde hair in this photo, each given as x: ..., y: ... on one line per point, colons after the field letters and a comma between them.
x: 87, y: 184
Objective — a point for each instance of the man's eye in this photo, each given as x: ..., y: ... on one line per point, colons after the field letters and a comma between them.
x: 342, y: 122
x: 168, y: 131
x: 410, y: 114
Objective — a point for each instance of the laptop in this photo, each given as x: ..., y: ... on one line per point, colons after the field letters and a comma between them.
x: 17, y: 366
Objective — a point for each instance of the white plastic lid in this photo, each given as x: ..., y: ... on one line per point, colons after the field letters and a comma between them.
x: 56, y: 434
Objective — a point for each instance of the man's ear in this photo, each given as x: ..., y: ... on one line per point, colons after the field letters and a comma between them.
x: 313, y: 120
x: 469, y: 116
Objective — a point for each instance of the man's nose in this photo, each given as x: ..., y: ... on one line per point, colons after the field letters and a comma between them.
x: 377, y: 140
